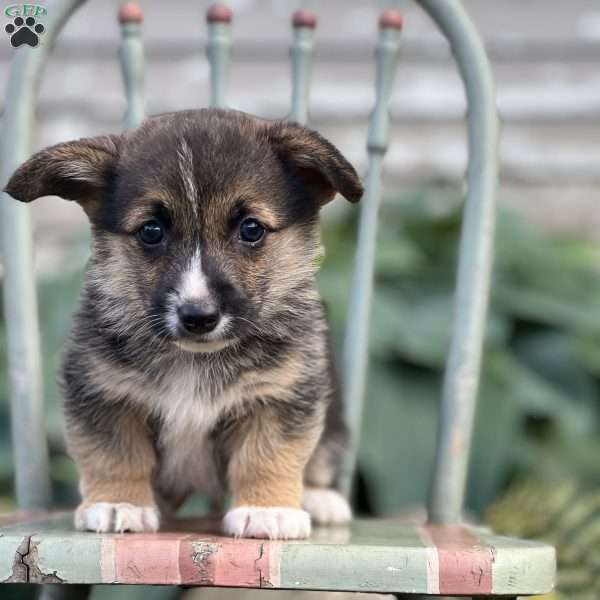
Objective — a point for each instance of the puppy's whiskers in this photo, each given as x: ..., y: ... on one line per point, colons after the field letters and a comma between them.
x: 259, y: 332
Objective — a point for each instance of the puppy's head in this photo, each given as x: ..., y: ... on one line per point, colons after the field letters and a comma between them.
x: 204, y: 222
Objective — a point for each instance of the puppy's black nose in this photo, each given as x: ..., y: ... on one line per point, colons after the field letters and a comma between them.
x: 198, y: 318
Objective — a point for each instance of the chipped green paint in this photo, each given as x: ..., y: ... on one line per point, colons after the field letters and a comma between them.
x: 74, y: 557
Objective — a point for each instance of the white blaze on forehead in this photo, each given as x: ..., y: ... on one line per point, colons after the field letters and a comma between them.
x: 185, y: 161
x: 194, y: 285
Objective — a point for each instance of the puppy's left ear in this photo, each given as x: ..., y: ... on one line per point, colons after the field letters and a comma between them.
x: 317, y: 162
x: 77, y: 170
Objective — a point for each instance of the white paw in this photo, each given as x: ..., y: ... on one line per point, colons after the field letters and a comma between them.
x: 116, y: 517
x: 326, y: 507
x: 267, y: 523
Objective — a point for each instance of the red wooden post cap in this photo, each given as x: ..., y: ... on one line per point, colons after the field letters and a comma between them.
x: 219, y: 13
x: 391, y: 18
x: 304, y: 18
x: 130, y: 12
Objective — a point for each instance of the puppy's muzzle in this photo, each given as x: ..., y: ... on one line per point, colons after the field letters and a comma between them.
x: 198, y: 318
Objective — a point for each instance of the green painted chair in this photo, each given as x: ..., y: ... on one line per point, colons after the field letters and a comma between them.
x: 441, y: 557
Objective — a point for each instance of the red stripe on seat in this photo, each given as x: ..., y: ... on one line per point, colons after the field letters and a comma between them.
x: 465, y: 563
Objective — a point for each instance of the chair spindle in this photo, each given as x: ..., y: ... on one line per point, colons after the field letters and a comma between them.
x: 356, y: 342
x: 218, y: 50
x: 32, y: 482
x: 131, y: 54
x: 304, y: 23
x: 461, y: 378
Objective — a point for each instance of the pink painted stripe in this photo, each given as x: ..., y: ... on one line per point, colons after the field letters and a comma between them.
x: 465, y: 564
x: 142, y: 558
x: 145, y: 561
x: 246, y: 563
x: 231, y: 563
x: 190, y: 559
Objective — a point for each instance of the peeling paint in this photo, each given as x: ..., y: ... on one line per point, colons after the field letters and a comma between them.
x: 263, y: 582
x: 20, y: 569
x: 201, y: 558
x: 25, y: 565
x: 35, y: 574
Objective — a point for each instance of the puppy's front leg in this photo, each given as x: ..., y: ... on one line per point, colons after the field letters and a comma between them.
x: 266, y: 472
x: 116, y: 468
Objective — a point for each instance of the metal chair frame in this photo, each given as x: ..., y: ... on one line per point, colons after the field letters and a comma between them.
x: 461, y: 380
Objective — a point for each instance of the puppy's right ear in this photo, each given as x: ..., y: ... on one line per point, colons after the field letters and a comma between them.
x: 76, y: 171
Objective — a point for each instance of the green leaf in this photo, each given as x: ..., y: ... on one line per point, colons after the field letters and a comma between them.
x: 398, y: 436
x: 415, y: 323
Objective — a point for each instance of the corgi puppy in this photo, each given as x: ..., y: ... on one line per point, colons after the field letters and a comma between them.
x: 199, y: 356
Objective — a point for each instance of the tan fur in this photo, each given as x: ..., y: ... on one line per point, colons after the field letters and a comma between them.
x: 276, y: 382
x: 268, y: 470
x: 120, y: 472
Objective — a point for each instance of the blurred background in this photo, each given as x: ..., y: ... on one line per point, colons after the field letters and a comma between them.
x: 537, y: 444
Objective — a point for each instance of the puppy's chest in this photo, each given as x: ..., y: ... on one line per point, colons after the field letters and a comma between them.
x: 186, y: 463
x: 188, y: 408
x: 189, y: 399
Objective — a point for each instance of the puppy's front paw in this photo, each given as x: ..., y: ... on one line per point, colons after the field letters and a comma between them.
x: 116, y: 517
x: 326, y: 507
x: 267, y: 523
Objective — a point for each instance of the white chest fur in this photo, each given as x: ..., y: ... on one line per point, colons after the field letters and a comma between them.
x: 188, y: 408
x: 187, y: 464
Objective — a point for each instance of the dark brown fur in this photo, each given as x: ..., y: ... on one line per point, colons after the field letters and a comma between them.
x: 148, y: 422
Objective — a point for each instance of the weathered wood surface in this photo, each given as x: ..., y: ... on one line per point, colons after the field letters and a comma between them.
x: 369, y: 556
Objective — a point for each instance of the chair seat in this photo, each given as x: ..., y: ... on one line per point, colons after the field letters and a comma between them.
x: 368, y: 556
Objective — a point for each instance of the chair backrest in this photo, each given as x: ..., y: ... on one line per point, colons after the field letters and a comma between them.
x: 475, y: 254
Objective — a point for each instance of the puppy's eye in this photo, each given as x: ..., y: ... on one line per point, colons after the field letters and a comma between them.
x: 251, y: 231
x: 151, y: 233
